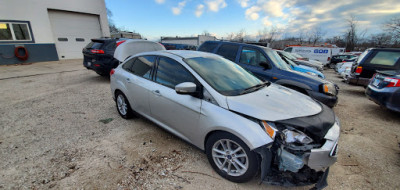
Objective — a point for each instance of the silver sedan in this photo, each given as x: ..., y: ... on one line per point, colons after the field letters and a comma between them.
x: 243, y: 124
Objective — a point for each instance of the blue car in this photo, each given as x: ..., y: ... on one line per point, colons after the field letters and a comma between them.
x: 301, y: 68
x: 384, y: 89
x: 267, y: 65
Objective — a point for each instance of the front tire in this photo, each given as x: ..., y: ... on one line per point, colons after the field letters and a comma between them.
x: 231, y: 158
x: 123, y: 107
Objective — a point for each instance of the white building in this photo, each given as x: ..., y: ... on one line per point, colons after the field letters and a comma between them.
x: 50, y: 29
x: 196, y: 41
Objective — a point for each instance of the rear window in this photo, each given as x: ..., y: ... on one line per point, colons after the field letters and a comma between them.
x: 208, y: 47
x: 228, y: 51
x: 94, y: 45
x: 385, y: 58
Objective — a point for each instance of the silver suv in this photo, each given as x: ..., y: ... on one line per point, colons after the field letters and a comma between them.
x: 244, y: 125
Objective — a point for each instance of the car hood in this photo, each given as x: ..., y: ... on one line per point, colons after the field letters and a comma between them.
x: 274, y: 103
x: 308, y: 63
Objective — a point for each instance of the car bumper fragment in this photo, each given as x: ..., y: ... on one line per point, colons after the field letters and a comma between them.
x: 352, y: 79
x: 330, y: 101
x: 315, y: 169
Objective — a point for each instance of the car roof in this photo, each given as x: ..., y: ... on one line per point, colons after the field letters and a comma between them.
x: 237, y: 43
x: 386, y: 49
x: 180, y: 53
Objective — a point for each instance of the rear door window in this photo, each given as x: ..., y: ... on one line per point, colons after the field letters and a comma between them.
x: 143, y: 66
x: 208, y: 47
x: 171, y: 73
x: 252, y: 56
x: 385, y: 58
x: 128, y: 65
x: 228, y: 51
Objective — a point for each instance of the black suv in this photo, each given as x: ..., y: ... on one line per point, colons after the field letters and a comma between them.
x: 267, y: 65
x: 372, y: 60
x: 98, y: 55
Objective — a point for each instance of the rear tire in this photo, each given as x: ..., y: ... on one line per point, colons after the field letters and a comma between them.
x: 123, y: 107
x: 331, y: 65
x: 231, y: 158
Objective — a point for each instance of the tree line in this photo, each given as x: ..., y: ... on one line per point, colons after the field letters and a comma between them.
x: 353, y: 39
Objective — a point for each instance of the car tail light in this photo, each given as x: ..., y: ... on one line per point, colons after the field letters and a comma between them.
x: 120, y: 42
x: 329, y: 58
x: 97, y: 65
x: 112, y: 72
x: 358, y: 70
x: 393, y: 82
x: 97, y: 51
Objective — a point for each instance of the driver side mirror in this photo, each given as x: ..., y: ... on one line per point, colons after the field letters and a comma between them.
x: 266, y: 65
x: 186, y: 88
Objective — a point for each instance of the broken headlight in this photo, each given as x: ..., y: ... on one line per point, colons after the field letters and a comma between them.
x: 295, y: 136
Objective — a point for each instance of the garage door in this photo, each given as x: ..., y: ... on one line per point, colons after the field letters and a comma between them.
x: 72, y: 31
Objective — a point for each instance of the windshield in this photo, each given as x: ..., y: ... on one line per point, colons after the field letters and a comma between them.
x: 296, y: 55
x: 289, y: 61
x: 276, y: 59
x: 362, y: 56
x: 289, y: 55
x: 223, y: 75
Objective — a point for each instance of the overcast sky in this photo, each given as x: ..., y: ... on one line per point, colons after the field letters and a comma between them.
x: 155, y: 18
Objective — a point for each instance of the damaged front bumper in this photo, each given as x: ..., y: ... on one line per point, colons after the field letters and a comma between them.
x: 287, y: 168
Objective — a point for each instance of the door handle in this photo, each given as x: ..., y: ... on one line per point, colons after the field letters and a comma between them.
x: 157, y: 92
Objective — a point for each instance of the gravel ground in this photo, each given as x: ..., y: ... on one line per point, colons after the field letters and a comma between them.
x: 59, y: 129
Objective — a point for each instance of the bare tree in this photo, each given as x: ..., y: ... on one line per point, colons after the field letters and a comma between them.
x: 351, y: 34
x: 268, y: 35
x: 393, y: 26
x: 111, y: 25
x: 381, y: 39
x: 316, y: 35
x: 237, y: 37
x: 301, y: 37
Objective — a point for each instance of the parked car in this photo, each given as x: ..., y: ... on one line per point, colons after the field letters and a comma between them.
x: 299, y: 57
x: 170, y: 46
x: 372, y: 60
x: 340, y: 58
x: 98, y: 55
x: 243, y: 124
x: 346, y: 62
x: 345, y: 69
x: 317, y: 66
x: 301, y: 68
x: 268, y: 66
x: 384, y: 89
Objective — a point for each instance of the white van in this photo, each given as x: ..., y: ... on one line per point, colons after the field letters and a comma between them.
x: 322, y: 54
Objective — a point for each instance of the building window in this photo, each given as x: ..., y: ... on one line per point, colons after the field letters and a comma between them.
x: 15, y: 31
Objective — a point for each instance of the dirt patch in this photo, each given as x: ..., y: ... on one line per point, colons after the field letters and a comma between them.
x: 61, y: 130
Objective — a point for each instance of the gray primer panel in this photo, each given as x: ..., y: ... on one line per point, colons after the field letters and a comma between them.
x: 37, y: 53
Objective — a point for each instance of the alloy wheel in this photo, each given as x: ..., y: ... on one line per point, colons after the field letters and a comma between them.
x: 230, y: 157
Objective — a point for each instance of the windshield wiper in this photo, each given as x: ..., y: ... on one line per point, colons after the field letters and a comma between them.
x: 255, y: 87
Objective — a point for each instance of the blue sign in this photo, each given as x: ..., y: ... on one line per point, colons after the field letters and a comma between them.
x: 320, y: 51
